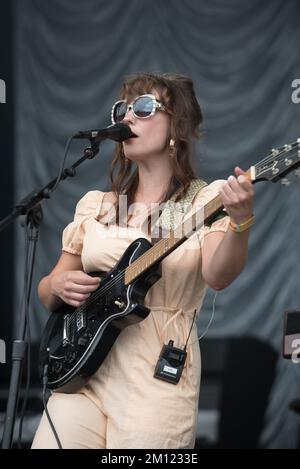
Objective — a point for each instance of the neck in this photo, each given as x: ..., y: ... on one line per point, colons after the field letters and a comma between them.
x: 154, y: 179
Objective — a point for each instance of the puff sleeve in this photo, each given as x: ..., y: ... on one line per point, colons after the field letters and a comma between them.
x: 204, y: 196
x: 73, y: 235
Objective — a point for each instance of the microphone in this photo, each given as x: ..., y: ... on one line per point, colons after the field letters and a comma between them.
x: 116, y: 132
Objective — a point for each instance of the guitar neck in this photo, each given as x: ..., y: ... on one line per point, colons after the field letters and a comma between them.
x: 204, y: 216
x: 174, y: 239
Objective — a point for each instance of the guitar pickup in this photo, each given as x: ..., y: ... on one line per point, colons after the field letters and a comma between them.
x: 80, y: 320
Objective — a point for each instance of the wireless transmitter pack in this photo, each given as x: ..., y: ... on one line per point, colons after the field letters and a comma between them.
x: 170, y: 363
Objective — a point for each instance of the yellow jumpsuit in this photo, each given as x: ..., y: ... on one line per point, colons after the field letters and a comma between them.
x: 123, y: 406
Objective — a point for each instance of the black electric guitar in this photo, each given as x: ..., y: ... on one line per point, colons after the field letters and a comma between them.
x: 77, y: 340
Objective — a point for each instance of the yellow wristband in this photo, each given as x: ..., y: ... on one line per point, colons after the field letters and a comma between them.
x: 240, y: 227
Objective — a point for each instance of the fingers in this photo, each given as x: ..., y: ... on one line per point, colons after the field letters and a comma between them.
x: 237, y: 196
x: 79, y: 286
x: 81, y: 278
x: 239, y: 187
x: 239, y: 171
x: 84, y: 289
x: 231, y: 189
x: 243, y: 180
x: 74, y: 287
x: 240, y: 183
x: 75, y: 294
x: 76, y: 299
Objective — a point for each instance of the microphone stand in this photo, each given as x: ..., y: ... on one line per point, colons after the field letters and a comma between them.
x: 31, y: 207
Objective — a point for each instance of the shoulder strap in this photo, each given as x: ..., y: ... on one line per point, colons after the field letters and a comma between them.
x: 195, y: 186
x: 173, y: 212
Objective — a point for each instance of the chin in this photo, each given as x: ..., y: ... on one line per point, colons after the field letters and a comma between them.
x: 134, y: 156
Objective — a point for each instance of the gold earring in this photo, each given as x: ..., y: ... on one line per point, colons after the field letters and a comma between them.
x: 172, y: 148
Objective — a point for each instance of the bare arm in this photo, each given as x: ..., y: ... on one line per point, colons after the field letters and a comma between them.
x: 224, y: 255
x: 66, y: 283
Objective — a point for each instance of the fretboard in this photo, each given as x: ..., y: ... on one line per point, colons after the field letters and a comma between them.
x: 173, y: 239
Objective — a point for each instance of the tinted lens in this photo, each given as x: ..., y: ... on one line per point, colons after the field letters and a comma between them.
x: 120, y: 111
x: 143, y: 106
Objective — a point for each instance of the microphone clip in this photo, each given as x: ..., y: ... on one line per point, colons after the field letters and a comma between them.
x: 91, y: 152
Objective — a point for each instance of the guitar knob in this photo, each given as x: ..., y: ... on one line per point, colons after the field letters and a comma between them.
x: 82, y: 341
x: 56, y: 367
x: 70, y: 357
x: 285, y: 182
x: 120, y: 304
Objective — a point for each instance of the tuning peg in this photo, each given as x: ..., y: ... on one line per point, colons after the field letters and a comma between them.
x: 275, y: 151
x: 297, y: 172
x: 287, y: 147
x: 285, y: 182
x: 288, y: 161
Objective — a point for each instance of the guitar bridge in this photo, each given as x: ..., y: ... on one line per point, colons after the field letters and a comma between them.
x: 66, y: 330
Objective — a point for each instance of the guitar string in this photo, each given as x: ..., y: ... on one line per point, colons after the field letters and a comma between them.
x: 113, y: 282
x: 281, y: 152
x: 116, y: 280
x: 102, y: 290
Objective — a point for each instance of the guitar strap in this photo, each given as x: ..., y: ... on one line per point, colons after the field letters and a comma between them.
x: 173, y: 212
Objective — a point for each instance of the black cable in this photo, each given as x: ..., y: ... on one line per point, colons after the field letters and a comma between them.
x: 190, y: 330
x: 45, y: 371
x: 62, y: 166
x: 27, y: 323
x: 28, y: 335
x: 27, y: 387
x: 211, y: 319
x: 45, y: 383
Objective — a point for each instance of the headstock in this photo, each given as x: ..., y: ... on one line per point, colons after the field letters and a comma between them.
x: 277, y: 164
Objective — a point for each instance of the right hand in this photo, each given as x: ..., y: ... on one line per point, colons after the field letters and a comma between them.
x: 73, y: 286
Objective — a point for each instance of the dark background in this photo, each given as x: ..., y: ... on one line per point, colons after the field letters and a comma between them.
x: 6, y: 175
x: 63, y: 62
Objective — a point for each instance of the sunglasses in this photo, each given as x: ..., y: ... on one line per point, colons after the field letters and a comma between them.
x: 143, y: 106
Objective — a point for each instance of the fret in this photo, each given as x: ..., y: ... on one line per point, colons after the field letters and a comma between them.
x: 176, y: 237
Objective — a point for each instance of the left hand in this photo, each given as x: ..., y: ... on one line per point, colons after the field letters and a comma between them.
x: 237, y: 196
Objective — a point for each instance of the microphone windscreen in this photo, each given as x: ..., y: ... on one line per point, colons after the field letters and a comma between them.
x: 123, y: 132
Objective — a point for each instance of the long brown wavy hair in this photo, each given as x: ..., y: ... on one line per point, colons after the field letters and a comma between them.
x: 177, y: 94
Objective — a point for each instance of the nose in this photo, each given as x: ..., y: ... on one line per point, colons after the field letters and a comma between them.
x: 129, y: 116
